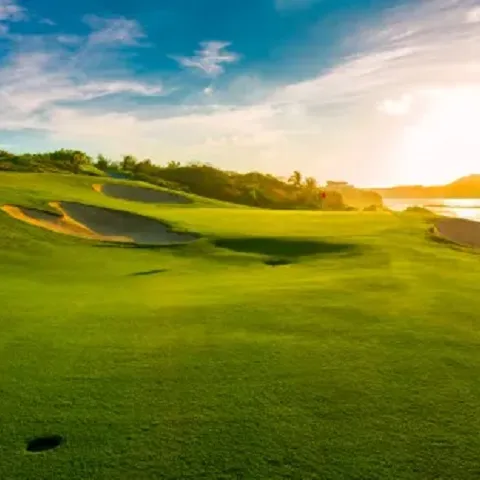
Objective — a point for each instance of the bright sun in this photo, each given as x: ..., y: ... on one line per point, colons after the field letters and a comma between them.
x: 444, y: 142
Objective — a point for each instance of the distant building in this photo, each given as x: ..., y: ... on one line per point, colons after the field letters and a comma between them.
x: 338, y: 185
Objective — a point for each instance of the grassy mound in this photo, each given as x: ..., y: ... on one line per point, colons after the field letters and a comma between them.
x: 44, y: 187
x: 420, y: 211
x: 194, y: 362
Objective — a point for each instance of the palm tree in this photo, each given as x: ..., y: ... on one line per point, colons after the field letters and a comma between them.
x: 173, y: 164
x: 311, y: 184
x: 310, y: 189
x: 78, y: 159
x: 128, y: 162
x: 296, y: 179
x: 102, y: 162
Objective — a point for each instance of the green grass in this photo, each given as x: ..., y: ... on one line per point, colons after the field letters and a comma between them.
x: 359, y: 360
x: 92, y: 170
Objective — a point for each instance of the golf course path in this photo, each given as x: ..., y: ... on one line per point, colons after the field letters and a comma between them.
x: 139, y: 194
x: 459, y: 230
x: 99, y: 223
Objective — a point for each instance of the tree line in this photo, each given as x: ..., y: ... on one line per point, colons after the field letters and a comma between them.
x: 252, y: 188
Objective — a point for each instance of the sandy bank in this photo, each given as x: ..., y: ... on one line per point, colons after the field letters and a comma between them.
x: 139, y: 194
x: 459, y: 230
x: 98, y: 223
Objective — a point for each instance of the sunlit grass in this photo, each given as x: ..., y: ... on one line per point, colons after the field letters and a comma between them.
x: 357, y: 358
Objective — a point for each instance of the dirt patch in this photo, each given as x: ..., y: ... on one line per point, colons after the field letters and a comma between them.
x: 98, y: 223
x: 42, y: 444
x: 459, y: 230
x: 139, y: 194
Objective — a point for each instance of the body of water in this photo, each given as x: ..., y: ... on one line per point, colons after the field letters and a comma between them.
x: 452, y: 207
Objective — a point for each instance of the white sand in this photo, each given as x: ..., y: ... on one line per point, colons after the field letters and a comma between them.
x: 459, y: 230
x: 98, y: 223
x: 139, y: 194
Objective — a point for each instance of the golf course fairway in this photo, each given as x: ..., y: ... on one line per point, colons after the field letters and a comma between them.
x: 276, y: 345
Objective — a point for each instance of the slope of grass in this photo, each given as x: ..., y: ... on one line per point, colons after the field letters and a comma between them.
x: 35, y: 187
x: 358, y: 360
x: 92, y: 170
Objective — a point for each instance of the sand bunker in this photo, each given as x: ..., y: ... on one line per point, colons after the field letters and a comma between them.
x: 459, y: 230
x: 139, y: 194
x: 98, y: 223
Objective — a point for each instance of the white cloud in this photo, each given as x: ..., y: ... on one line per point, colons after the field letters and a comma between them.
x: 45, y: 73
x: 116, y: 31
x: 473, y: 15
x: 48, y: 21
x: 209, y: 91
x: 101, y: 88
x: 398, y: 106
x: 33, y: 84
x: 210, y: 58
x: 12, y: 11
x: 69, y: 39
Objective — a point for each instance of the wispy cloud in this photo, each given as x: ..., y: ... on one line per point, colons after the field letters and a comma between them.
x: 209, y: 91
x: 114, y: 31
x: 414, y: 50
x: 396, y: 106
x: 47, y: 21
x: 11, y: 10
x: 473, y: 15
x: 69, y: 39
x: 44, y: 73
x: 210, y: 59
x: 31, y: 83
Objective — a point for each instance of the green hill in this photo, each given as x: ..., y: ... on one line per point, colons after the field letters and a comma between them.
x: 280, y: 344
x: 465, y: 187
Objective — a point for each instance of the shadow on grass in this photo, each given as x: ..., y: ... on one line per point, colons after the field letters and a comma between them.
x: 149, y: 272
x: 277, y: 262
x: 282, y: 247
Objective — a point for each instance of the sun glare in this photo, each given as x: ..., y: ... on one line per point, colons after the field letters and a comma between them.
x: 443, y: 143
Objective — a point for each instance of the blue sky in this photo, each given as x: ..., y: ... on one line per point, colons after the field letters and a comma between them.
x: 375, y: 92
